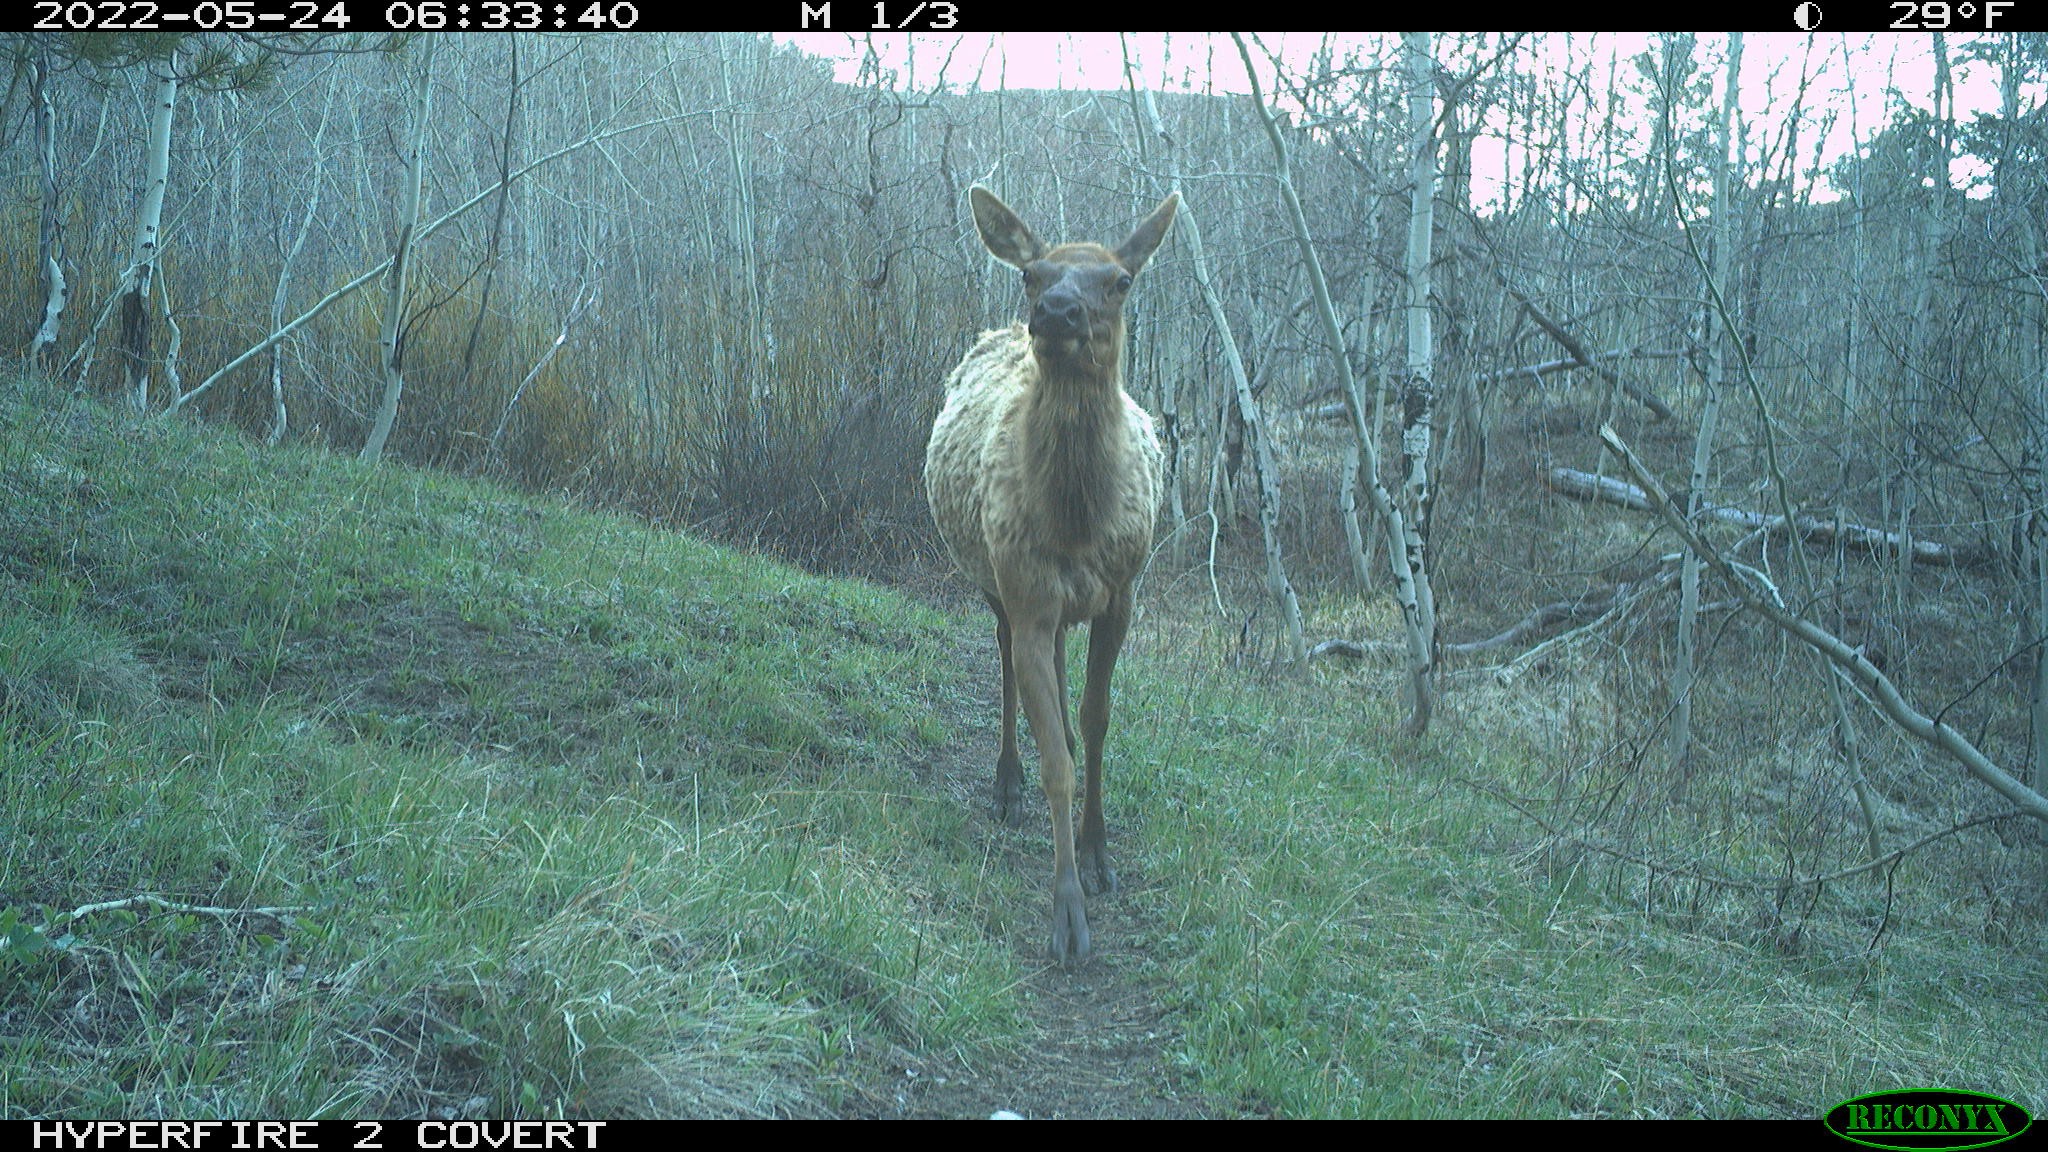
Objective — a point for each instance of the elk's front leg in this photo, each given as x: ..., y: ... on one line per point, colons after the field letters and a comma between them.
x: 1036, y: 641
x: 1105, y: 641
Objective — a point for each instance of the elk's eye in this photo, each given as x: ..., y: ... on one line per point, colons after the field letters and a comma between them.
x: 1123, y: 282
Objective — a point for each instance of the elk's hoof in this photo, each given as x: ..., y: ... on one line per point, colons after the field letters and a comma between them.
x: 1069, y: 923
x: 1096, y: 873
x: 1007, y: 802
x: 1008, y: 806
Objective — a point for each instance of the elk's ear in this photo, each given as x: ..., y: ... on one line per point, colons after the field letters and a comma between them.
x: 1145, y: 239
x: 1008, y: 237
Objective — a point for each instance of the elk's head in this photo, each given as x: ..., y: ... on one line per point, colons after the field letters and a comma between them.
x: 1076, y: 291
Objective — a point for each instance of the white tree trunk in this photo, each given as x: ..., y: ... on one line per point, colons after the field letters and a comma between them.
x: 1410, y: 579
x: 1356, y: 540
x: 1169, y: 424
x: 1418, y: 400
x: 140, y: 274
x: 586, y: 296
x: 279, y: 415
x: 389, y: 339
x: 1711, y: 335
x: 1166, y: 378
x: 50, y: 237
x: 1848, y: 743
x: 1923, y: 315
x: 2036, y: 552
x: 1189, y: 231
x: 1277, y: 584
x: 2033, y: 491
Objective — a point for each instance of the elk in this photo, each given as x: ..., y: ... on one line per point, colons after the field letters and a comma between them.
x: 1044, y: 477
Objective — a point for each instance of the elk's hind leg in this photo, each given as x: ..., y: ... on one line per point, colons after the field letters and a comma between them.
x: 1008, y: 799
x: 1059, y: 663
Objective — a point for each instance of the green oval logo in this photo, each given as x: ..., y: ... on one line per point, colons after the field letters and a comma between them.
x: 1927, y: 1120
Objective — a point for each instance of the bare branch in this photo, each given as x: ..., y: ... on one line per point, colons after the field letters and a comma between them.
x: 282, y: 915
x: 429, y: 229
x: 1851, y: 661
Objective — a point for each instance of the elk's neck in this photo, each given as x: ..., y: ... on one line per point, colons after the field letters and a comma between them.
x: 1074, y: 427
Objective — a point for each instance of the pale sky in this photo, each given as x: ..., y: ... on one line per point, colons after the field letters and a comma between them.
x: 1870, y: 67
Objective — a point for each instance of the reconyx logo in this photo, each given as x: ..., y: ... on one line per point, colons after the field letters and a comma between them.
x: 1927, y: 1120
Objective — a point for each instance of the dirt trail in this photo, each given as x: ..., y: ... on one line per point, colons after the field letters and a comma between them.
x: 1098, y: 1041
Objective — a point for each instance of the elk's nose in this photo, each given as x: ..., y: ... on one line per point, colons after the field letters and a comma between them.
x: 1057, y: 313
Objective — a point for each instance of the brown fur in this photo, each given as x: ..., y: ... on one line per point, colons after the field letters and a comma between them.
x: 1044, y: 477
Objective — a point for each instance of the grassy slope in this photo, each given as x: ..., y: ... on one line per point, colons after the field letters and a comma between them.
x: 590, y: 819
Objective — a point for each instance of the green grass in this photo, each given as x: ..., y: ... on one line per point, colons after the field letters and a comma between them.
x: 1350, y: 931
x: 577, y: 818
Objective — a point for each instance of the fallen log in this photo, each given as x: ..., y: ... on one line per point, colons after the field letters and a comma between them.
x: 1551, y: 618
x: 1571, y: 363
x: 1593, y: 488
x: 1587, y: 358
x: 1814, y: 530
x: 1357, y: 649
x: 1590, y: 609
